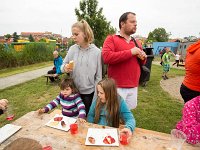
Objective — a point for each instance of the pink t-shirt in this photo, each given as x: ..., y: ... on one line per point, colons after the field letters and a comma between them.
x: 190, y: 123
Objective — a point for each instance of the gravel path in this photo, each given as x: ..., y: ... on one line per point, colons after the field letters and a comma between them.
x: 22, y: 77
x: 172, y: 85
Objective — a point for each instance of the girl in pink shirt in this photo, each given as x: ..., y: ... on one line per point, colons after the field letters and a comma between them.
x: 190, y: 123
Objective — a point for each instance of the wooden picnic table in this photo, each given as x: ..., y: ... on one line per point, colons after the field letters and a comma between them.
x: 33, y: 126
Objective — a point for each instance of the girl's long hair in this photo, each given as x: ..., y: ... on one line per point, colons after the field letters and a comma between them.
x: 111, y: 105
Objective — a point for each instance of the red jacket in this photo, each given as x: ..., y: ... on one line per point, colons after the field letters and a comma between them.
x: 123, y: 67
x: 192, y: 65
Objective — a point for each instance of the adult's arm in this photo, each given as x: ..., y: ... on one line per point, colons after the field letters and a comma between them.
x: 98, y: 75
x: 110, y: 56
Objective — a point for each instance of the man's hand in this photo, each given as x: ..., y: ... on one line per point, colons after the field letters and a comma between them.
x: 139, y: 53
x: 142, y: 55
x: 135, y: 51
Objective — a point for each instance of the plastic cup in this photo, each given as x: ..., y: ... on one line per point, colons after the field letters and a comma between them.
x: 9, y: 113
x: 81, y: 127
x: 177, y: 139
x: 123, y: 138
x: 74, y: 128
x: 47, y: 148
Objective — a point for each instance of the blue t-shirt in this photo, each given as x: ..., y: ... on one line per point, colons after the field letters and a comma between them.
x: 125, y: 114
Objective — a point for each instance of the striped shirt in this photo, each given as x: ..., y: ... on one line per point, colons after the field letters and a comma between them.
x: 72, y: 106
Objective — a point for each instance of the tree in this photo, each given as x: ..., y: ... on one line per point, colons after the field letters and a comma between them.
x: 15, y: 37
x: 7, y: 36
x: 158, y: 35
x: 97, y: 21
x: 31, y: 39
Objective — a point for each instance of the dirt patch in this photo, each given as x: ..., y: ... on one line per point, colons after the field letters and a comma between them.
x: 172, y: 86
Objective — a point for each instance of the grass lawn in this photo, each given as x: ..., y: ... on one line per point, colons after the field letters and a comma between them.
x: 156, y: 110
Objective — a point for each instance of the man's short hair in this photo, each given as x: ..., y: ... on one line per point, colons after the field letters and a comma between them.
x: 124, y: 17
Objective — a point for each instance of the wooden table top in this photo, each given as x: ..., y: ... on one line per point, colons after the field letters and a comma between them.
x: 33, y: 126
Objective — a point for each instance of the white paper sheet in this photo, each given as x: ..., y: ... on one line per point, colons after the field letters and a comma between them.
x: 57, y: 124
x: 7, y: 131
x: 100, y: 134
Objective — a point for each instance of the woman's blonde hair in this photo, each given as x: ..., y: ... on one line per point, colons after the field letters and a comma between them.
x: 86, y: 29
x: 112, y: 103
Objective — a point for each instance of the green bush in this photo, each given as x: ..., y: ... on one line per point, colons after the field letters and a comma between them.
x: 30, y: 54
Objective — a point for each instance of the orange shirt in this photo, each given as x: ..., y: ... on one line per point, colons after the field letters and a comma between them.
x: 192, y: 67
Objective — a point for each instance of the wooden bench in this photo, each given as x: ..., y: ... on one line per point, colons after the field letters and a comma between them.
x: 51, y: 75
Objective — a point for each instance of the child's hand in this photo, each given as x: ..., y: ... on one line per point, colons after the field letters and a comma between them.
x: 41, y: 111
x: 128, y: 132
x: 81, y: 120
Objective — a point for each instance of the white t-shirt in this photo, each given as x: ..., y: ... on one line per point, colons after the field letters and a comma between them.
x: 177, y: 56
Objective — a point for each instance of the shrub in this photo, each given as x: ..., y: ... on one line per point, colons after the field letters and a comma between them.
x: 30, y: 54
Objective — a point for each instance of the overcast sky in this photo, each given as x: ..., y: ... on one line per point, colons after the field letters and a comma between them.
x: 180, y: 17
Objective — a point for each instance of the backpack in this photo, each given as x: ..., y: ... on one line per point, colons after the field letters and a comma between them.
x: 104, y: 69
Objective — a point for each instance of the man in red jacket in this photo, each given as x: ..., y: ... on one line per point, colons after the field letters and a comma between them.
x: 122, y: 56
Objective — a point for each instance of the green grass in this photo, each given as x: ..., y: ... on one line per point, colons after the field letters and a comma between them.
x: 156, y: 109
x: 13, y: 71
x: 28, y: 97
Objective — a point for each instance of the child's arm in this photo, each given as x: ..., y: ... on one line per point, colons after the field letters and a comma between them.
x: 127, y: 116
x: 81, y: 107
x: 91, y: 114
x: 51, y: 105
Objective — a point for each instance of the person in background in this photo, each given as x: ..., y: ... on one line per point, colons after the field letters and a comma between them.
x: 177, y: 59
x: 166, y: 63
x: 87, y: 69
x: 190, y: 122
x: 109, y: 108
x: 57, y: 64
x: 3, y: 105
x: 69, y: 99
x: 190, y: 87
x: 162, y: 52
x: 123, y: 58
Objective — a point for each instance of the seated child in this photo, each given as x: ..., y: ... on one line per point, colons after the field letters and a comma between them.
x: 69, y: 99
x: 190, y: 123
x: 109, y: 108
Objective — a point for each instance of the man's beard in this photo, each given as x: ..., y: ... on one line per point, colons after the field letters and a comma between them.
x: 129, y: 32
